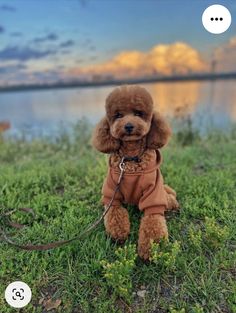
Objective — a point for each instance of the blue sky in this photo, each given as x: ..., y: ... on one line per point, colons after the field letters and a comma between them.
x: 54, y: 35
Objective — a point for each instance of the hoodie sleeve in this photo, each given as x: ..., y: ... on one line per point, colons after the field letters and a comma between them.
x: 154, y: 197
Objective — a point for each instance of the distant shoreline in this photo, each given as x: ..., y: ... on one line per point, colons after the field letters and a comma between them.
x: 142, y: 80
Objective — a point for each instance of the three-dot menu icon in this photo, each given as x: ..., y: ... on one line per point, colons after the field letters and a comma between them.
x: 216, y: 19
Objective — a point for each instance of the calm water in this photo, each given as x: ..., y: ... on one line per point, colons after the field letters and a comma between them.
x: 209, y: 104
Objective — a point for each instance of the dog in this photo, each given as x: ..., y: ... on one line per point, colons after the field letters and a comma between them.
x: 134, y: 133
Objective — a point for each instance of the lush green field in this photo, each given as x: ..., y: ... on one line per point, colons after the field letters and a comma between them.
x: 61, y: 181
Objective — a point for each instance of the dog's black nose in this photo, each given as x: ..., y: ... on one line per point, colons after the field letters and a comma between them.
x: 129, y: 127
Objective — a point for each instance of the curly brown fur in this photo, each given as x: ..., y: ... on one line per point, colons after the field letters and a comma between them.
x: 102, y: 139
x: 129, y: 128
x: 169, y: 190
x: 171, y: 198
x: 159, y: 133
x: 117, y: 223
x: 152, y: 228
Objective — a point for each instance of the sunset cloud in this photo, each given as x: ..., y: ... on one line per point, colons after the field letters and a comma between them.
x: 225, y: 56
x: 176, y: 58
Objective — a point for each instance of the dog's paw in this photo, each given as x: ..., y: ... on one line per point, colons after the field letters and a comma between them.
x: 117, y: 223
x: 153, y: 228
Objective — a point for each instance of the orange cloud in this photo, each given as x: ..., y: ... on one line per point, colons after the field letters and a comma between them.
x: 176, y: 58
x: 225, y: 56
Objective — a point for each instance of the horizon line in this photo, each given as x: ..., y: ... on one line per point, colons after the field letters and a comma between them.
x: 112, y: 82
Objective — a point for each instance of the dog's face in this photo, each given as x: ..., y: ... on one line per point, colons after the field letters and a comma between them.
x: 129, y: 111
x: 130, y: 117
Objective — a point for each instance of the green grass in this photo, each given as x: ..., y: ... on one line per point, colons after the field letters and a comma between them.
x: 61, y: 181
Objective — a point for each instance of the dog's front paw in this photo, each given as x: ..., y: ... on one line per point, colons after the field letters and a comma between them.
x: 152, y: 228
x: 117, y: 223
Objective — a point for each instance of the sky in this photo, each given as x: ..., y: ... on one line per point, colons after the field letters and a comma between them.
x: 50, y: 40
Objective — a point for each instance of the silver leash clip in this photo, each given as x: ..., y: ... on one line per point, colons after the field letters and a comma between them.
x: 122, y: 165
x: 122, y: 169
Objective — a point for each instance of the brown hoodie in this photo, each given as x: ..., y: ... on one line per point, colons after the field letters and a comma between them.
x: 141, y: 186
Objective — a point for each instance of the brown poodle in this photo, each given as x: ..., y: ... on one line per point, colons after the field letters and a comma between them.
x: 133, y: 131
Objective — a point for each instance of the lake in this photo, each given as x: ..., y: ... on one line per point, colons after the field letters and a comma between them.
x: 208, y: 105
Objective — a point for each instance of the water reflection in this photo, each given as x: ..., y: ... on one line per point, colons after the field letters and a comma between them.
x: 209, y: 104
x: 175, y: 98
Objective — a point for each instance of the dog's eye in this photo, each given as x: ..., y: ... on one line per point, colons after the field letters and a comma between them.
x: 118, y: 115
x: 138, y: 113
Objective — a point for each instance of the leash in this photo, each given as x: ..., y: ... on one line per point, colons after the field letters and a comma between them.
x: 60, y: 243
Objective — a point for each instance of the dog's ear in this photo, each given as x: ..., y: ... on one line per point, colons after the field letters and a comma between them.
x: 159, y: 132
x: 102, y: 139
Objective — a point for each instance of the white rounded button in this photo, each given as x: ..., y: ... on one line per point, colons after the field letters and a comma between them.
x: 18, y: 294
x: 216, y: 19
